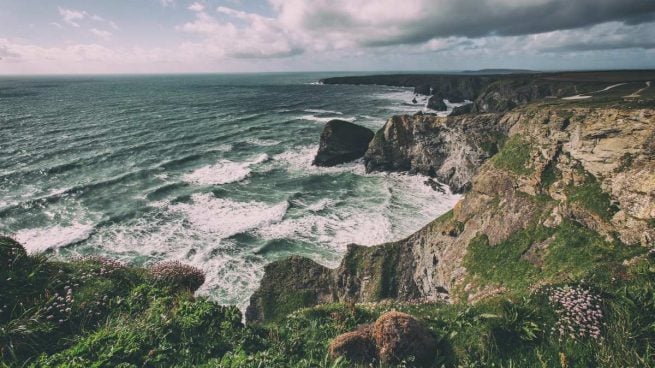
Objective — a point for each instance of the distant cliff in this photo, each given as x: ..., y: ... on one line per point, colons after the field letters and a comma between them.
x: 503, y: 92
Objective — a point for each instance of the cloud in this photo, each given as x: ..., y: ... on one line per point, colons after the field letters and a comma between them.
x: 344, y: 34
x: 5, y: 53
x: 243, y: 35
x: 607, y: 36
x: 71, y: 16
x: 197, y: 7
x: 385, y: 22
x: 105, y: 35
x: 167, y: 3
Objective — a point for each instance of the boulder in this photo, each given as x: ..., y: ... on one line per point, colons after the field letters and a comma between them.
x: 436, y: 103
x: 399, y: 336
x: 394, y: 337
x: 357, y: 346
x: 342, y: 141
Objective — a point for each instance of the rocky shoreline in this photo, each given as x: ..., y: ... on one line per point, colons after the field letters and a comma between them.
x: 534, y: 167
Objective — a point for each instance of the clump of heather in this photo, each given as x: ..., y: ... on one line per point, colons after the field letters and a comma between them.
x: 178, y: 274
x: 106, y: 264
x: 578, y: 310
x: 59, y: 310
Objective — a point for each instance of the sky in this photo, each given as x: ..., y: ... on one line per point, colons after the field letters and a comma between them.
x: 228, y: 36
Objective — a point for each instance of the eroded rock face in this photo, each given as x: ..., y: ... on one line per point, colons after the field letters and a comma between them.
x: 341, y: 142
x: 450, y: 149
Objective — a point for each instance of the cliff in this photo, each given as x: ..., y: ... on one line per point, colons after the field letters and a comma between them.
x: 451, y: 149
x: 503, y: 92
x: 569, y: 190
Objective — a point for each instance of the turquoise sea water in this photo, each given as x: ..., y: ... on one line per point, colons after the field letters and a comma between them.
x: 213, y: 170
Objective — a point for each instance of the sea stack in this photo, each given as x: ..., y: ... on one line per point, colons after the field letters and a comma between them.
x: 436, y: 103
x: 342, y: 141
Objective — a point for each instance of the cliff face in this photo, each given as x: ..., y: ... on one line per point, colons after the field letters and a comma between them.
x: 450, y: 149
x: 581, y: 171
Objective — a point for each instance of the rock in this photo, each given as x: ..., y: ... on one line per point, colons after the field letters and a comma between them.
x: 288, y: 285
x: 341, y: 142
x: 456, y: 99
x: 414, y: 100
x: 399, y: 336
x: 461, y: 110
x: 357, y: 346
x: 436, y: 103
x: 450, y: 149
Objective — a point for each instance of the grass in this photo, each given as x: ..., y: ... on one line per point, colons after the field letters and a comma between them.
x: 572, y: 253
x: 591, y: 196
x: 514, y: 156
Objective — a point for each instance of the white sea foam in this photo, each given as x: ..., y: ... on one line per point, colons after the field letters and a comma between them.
x: 220, y: 148
x: 321, y: 205
x: 333, y: 231
x: 223, y: 172
x: 41, y: 239
x: 325, y: 119
x: 321, y: 111
x: 225, y: 217
x: 299, y: 160
x: 196, y: 233
x: 263, y: 142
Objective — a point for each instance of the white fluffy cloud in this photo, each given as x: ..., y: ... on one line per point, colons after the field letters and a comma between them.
x: 73, y: 17
x: 242, y: 35
x: 105, y: 35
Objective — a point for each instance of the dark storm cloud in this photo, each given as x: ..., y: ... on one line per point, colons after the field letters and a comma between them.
x: 475, y: 19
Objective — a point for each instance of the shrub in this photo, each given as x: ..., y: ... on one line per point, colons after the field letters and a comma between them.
x: 177, y: 274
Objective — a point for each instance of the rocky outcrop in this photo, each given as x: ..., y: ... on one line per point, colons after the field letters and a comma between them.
x: 394, y: 337
x: 462, y: 110
x: 341, y: 142
x: 594, y: 167
x: 435, y: 102
x: 451, y: 149
x: 290, y: 284
x: 423, y: 89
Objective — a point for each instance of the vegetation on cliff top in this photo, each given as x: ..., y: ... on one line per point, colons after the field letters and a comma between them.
x: 118, y: 317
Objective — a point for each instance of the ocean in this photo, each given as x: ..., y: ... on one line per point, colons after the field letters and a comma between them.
x: 211, y: 170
